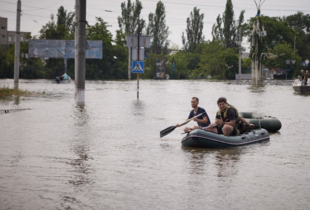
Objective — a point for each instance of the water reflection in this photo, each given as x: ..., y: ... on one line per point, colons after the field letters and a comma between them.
x: 225, y: 160
x: 17, y: 100
x: 138, y: 107
x: 80, y: 146
x: 257, y: 89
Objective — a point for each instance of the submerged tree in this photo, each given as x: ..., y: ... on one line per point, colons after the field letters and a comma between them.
x: 158, y: 29
x: 193, y: 31
x: 130, y: 21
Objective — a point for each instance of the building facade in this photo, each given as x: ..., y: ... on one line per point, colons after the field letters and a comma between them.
x: 3, y: 31
x: 8, y: 37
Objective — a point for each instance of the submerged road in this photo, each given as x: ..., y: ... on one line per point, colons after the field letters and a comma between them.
x: 108, y: 155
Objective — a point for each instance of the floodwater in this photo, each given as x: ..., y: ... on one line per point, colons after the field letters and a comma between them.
x: 108, y: 154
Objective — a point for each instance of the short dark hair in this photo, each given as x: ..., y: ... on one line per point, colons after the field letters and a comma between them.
x: 222, y: 99
x: 197, y: 99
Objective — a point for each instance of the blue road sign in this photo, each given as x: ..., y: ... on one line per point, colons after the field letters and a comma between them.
x: 138, y: 67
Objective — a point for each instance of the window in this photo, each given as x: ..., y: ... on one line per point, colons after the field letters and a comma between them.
x: 10, y: 38
x: 2, y: 27
x: 3, y: 36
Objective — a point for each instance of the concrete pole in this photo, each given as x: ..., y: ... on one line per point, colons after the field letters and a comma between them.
x: 294, y: 42
x: 240, y: 47
x: 129, y: 63
x: 17, y: 45
x: 138, y: 60
x: 77, y: 7
x: 80, y: 96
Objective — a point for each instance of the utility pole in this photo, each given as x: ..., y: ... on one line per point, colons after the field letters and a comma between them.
x: 17, y: 45
x: 240, y: 52
x: 294, y: 42
x: 80, y: 87
x: 138, y: 60
x: 129, y: 63
x: 76, y: 61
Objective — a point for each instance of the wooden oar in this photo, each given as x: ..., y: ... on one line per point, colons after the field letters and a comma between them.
x: 171, y: 128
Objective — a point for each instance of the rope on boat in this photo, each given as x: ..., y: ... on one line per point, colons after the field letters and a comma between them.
x: 4, y: 111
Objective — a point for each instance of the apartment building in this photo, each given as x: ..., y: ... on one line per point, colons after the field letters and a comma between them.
x: 8, y: 37
x: 3, y: 31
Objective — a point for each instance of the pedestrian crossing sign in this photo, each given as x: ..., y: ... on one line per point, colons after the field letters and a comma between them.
x: 137, y: 66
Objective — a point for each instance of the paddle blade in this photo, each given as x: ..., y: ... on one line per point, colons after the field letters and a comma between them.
x: 166, y: 131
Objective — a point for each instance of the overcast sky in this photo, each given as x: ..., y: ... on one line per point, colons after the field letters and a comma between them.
x: 36, y: 13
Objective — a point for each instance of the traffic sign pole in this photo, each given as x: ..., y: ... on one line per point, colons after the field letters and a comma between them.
x: 138, y: 60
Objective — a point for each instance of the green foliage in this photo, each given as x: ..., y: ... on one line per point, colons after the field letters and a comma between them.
x: 246, y: 63
x: 225, y: 28
x: 130, y: 22
x: 278, y: 31
x: 113, y: 64
x: 215, y: 59
x: 158, y: 30
x: 217, y: 30
x: 288, y: 52
x: 300, y: 23
x: 65, y: 19
x: 6, y: 68
x: 229, y: 30
x: 193, y: 31
x: 51, y: 30
x: 186, y: 64
x: 150, y: 65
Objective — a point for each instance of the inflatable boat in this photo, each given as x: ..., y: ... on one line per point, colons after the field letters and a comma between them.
x: 271, y: 124
x: 205, y: 139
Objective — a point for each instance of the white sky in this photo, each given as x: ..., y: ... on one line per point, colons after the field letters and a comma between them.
x: 176, y: 12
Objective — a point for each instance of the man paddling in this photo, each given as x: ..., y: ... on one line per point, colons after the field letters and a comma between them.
x: 202, y: 121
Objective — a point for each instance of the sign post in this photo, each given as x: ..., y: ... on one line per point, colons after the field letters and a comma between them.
x: 65, y: 61
x: 137, y: 41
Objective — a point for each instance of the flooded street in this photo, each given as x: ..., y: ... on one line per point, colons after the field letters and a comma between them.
x: 108, y: 155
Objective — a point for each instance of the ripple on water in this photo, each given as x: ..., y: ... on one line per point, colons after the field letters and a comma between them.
x: 108, y: 154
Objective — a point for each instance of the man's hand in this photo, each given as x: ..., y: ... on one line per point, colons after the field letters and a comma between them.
x: 177, y: 125
x: 195, y: 119
x: 218, y: 121
x: 252, y: 125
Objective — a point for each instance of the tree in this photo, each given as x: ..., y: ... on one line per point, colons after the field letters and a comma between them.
x: 300, y: 23
x: 66, y: 19
x: 229, y: 29
x: 158, y: 29
x: 130, y: 21
x: 217, y: 31
x: 287, y: 54
x: 241, y: 25
x: 62, y: 29
x: 113, y: 64
x: 214, y: 59
x: 278, y: 31
x: 225, y: 28
x: 193, y: 31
